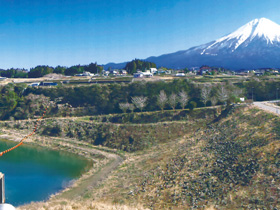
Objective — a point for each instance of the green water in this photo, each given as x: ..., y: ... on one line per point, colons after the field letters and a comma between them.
x: 33, y: 173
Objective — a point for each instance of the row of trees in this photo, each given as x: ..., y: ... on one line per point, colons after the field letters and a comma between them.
x: 182, y: 98
x: 40, y: 71
x: 14, y: 73
x: 140, y: 102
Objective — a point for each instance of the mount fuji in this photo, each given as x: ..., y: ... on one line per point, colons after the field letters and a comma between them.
x: 254, y: 45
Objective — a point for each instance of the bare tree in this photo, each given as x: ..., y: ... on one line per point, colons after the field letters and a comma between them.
x: 173, y: 100
x: 183, y: 99
x: 223, y: 94
x: 131, y: 107
x: 124, y: 106
x: 162, y: 99
x: 205, y: 93
x: 214, y: 101
x: 237, y: 92
x: 139, y: 102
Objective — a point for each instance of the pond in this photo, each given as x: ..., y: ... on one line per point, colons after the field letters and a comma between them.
x: 33, y: 173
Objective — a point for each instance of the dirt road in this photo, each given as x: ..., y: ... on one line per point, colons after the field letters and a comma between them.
x: 268, y: 106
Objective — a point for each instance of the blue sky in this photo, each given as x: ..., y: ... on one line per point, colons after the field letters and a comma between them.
x: 70, y: 32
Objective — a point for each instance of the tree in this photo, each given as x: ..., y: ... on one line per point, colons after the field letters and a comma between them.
x: 40, y: 71
x: 59, y: 70
x: 192, y: 105
x: 222, y: 94
x: 162, y: 100
x: 205, y: 93
x: 132, y: 66
x: 183, y: 99
x: 237, y: 92
x: 173, y: 100
x: 213, y: 101
x: 139, y: 102
x: 131, y: 107
x: 124, y: 106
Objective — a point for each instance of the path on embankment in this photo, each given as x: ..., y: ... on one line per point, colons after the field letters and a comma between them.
x: 268, y: 106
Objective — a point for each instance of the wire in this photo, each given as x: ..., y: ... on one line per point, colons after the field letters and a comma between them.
x: 22, y: 140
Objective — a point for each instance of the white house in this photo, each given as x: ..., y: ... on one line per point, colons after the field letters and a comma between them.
x: 123, y: 72
x: 34, y: 84
x: 147, y: 74
x: 180, y: 75
x: 153, y: 70
x: 85, y: 74
x: 2, y: 78
x: 138, y: 75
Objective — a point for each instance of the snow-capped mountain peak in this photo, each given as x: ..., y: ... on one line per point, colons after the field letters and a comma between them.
x: 259, y: 28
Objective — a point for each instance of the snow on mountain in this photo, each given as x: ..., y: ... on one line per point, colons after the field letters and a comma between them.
x: 259, y: 28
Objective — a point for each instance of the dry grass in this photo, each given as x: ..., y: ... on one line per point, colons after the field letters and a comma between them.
x: 77, y: 205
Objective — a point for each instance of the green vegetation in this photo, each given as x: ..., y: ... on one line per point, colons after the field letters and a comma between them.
x: 40, y: 71
x: 14, y: 73
x: 137, y: 64
x: 19, y: 102
x: 128, y: 133
x: 105, y: 99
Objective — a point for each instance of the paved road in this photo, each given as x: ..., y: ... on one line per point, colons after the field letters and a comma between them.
x: 266, y: 105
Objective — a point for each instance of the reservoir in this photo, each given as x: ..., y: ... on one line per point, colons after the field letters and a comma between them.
x: 33, y: 173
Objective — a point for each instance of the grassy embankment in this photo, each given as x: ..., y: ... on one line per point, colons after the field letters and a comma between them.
x: 232, y: 162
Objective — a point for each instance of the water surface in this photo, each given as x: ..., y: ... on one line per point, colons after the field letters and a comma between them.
x: 33, y: 173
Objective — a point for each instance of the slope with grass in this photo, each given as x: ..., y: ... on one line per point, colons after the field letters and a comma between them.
x: 228, y: 162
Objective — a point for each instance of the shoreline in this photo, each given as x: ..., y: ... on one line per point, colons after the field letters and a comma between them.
x: 102, y: 163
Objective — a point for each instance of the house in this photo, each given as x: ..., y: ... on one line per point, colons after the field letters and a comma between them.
x: 180, y: 74
x: 48, y: 84
x: 105, y: 73
x: 204, y: 70
x: 147, y: 73
x: 85, y: 74
x: 34, y: 84
x: 153, y: 70
x: 114, y: 72
x: 2, y: 78
x: 123, y: 72
x: 138, y: 75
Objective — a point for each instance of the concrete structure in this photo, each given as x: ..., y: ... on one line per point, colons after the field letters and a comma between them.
x: 6, y: 206
x: 3, y: 205
x: 2, y: 188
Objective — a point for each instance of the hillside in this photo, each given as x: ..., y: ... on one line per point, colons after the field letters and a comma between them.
x: 230, y: 162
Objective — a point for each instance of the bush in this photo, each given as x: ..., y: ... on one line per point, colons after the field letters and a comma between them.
x: 192, y: 105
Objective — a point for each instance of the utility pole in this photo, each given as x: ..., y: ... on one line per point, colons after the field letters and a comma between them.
x: 3, y: 205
